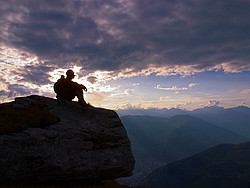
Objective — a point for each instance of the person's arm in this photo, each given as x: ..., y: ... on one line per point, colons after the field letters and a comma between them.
x: 84, y: 88
x: 80, y: 86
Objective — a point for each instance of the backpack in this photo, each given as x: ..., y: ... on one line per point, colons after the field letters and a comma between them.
x: 59, y: 85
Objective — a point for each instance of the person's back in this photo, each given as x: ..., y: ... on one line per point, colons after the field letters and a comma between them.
x: 66, y: 89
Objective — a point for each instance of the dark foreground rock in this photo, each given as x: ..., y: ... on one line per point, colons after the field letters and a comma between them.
x: 87, y: 144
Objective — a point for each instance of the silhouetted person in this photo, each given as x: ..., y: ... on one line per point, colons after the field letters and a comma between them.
x: 66, y: 89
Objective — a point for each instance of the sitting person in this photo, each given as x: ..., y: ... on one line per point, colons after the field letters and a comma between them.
x: 66, y: 89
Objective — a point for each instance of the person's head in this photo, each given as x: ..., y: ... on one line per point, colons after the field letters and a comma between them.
x: 70, y: 74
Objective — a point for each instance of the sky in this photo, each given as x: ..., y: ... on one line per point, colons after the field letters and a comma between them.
x: 129, y: 53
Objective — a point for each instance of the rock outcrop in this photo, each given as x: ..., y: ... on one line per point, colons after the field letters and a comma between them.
x: 87, y: 144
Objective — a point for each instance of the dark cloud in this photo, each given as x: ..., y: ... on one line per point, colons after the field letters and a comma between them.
x: 3, y: 93
x: 36, y: 74
x: 18, y: 90
x: 213, y: 103
x: 92, y: 79
x: 114, y: 35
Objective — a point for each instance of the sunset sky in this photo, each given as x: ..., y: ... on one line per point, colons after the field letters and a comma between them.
x: 129, y: 53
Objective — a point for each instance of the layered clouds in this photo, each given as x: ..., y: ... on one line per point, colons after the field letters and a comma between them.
x: 112, y: 40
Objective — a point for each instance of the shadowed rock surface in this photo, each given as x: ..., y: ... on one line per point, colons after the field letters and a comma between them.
x: 87, y: 144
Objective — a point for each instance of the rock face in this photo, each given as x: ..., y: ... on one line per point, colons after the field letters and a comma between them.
x: 87, y: 144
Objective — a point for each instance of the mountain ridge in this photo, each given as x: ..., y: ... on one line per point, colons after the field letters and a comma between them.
x: 162, y: 111
x: 224, y: 165
x: 235, y: 119
x: 159, y: 140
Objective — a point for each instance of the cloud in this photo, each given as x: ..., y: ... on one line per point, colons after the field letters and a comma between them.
x: 37, y: 74
x: 192, y: 85
x: 122, y: 94
x: 129, y: 106
x: 129, y: 92
x: 119, y: 39
x: 231, y: 67
x: 169, y: 37
x: 184, y: 106
x: 246, y: 92
x: 173, y: 88
x: 136, y: 84
x: 92, y: 79
x: 166, y: 98
x: 213, y: 103
x: 17, y: 90
x: 3, y: 93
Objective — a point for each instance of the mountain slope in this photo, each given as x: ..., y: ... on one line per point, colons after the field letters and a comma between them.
x: 174, y: 138
x: 156, y: 141
x: 234, y: 119
x: 224, y: 165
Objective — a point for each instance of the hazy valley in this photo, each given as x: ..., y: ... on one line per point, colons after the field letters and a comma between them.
x: 174, y: 134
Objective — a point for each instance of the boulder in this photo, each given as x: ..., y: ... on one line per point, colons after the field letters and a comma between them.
x: 87, y: 144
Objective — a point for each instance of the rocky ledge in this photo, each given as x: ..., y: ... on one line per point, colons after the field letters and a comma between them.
x: 87, y: 144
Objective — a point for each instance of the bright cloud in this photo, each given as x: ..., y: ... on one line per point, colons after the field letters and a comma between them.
x: 246, y: 92
x: 175, y: 88
x: 192, y: 84
x: 184, y: 105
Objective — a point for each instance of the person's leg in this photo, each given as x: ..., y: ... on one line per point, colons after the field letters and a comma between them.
x: 79, y: 94
x: 62, y: 96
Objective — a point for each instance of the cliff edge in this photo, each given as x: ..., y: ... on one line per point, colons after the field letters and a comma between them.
x: 87, y: 143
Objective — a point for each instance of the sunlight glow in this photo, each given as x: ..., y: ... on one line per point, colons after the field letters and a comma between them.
x: 13, y: 59
x: 105, y: 88
x: 17, y: 58
x: 47, y: 88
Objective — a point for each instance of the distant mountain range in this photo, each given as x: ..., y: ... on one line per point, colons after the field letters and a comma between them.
x: 169, y: 139
x: 157, y: 141
x: 165, y: 112
x: 224, y: 165
x: 234, y: 119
